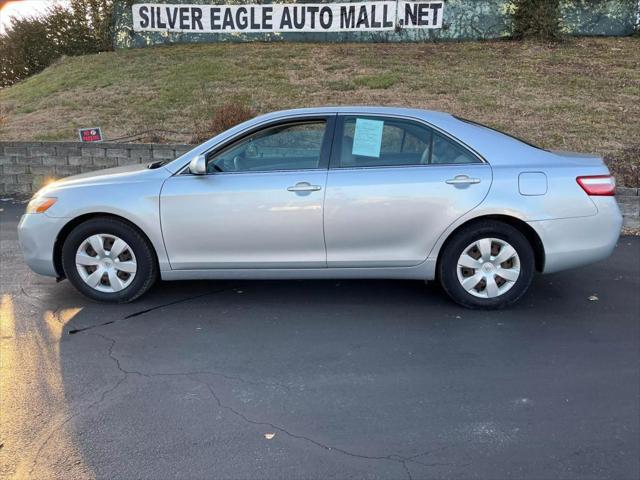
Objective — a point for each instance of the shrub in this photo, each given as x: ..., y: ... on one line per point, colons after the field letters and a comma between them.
x: 227, y: 116
x: 31, y: 44
x: 536, y: 18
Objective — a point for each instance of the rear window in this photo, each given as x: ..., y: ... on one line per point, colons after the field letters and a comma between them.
x: 471, y: 122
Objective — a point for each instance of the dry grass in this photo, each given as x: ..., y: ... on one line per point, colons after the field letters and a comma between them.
x: 580, y: 95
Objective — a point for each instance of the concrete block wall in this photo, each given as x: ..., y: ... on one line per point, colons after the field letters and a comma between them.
x: 629, y: 203
x: 26, y: 166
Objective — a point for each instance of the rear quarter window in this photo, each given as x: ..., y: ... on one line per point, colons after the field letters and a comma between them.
x: 446, y: 152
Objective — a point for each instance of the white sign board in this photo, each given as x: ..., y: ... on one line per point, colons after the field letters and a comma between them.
x: 287, y: 17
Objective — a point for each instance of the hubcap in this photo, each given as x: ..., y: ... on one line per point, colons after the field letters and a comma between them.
x: 488, y: 268
x: 106, y: 263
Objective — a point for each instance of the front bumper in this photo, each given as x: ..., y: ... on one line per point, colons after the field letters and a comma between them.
x: 573, y: 242
x: 37, y: 234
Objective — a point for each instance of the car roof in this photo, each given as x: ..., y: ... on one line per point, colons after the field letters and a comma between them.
x: 361, y: 109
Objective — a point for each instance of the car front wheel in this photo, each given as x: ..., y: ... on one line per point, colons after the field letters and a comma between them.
x: 487, y: 265
x: 108, y: 260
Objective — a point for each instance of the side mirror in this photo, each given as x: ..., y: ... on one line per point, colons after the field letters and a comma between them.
x: 198, y: 166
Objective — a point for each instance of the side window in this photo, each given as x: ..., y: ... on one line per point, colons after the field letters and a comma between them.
x: 445, y: 152
x: 380, y: 141
x: 292, y: 146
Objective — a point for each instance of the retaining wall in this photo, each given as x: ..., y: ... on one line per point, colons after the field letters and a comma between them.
x: 26, y: 166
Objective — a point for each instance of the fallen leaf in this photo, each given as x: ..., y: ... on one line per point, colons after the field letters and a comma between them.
x: 594, y: 298
x: 269, y: 436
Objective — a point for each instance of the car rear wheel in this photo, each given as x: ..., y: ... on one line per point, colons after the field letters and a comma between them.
x: 108, y: 260
x: 487, y: 265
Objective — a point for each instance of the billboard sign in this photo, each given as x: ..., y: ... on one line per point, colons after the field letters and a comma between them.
x: 288, y: 17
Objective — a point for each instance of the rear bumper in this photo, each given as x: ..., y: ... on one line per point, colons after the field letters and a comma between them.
x: 573, y: 242
x: 37, y: 234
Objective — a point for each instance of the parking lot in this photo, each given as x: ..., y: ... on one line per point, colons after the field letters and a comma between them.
x: 320, y: 379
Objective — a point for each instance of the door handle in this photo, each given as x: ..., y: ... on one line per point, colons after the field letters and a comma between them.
x: 304, y: 187
x: 462, y: 180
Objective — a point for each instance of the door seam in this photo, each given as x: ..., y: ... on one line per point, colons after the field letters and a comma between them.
x: 326, y: 187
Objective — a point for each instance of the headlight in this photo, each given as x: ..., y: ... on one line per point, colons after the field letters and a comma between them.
x: 41, y: 204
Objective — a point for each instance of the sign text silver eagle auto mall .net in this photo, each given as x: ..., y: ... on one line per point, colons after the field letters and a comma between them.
x: 288, y: 17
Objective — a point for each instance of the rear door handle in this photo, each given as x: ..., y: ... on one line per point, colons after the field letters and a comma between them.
x: 304, y: 187
x: 462, y: 180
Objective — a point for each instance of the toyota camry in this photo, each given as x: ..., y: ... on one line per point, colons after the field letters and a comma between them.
x: 335, y: 192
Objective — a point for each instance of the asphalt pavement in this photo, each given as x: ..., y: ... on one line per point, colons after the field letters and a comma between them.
x: 320, y: 379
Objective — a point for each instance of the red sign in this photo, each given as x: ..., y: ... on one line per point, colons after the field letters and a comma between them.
x: 90, y: 134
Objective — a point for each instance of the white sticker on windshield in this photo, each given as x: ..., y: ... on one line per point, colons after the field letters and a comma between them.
x: 367, y: 138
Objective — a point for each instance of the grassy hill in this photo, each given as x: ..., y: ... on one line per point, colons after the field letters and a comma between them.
x: 582, y: 95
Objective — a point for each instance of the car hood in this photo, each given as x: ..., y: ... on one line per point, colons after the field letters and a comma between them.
x: 125, y: 174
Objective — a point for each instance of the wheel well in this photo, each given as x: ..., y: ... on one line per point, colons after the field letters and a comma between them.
x: 529, y: 233
x: 66, y: 230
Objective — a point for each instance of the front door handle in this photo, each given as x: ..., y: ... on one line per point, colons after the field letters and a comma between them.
x: 304, y: 187
x: 462, y: 180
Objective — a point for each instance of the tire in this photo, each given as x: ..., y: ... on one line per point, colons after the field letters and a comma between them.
x: 480, y: 273
x: 124, y: 277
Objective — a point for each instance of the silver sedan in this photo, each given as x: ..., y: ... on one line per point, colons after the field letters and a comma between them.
x: 335, y: 192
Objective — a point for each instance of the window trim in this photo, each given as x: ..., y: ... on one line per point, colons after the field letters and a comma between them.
x: 325, y: 149
x: 339, y: 131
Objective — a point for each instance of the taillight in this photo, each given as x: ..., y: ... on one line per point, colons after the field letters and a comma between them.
x: 599, y: 185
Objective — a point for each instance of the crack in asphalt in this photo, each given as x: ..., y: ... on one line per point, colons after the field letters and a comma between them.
x: 168, y: 304
x: 393, y: 457
x: 178, y: 374
x: 151, y: 309
x: 400, y: 459
x: 437, y: 450
x: 403, y: 461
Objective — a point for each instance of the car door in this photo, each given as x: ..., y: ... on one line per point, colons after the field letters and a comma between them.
x: 259, y: 206
x: 394, y: 186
